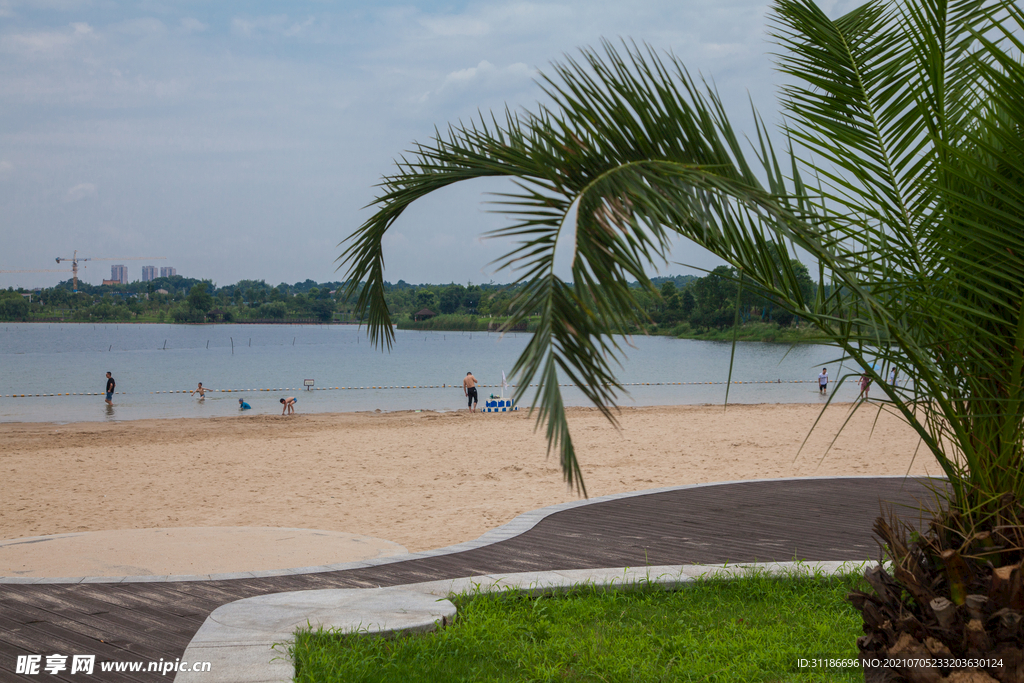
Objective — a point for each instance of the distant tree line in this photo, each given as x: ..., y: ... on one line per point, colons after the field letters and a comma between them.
x: 707, y: 302
x: 718, y: 299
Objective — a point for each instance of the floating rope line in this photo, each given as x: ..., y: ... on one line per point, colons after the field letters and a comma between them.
x: 420, y: 386
x: 96, y: 393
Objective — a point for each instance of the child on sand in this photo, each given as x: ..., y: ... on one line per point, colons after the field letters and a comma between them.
x: 289, y: 405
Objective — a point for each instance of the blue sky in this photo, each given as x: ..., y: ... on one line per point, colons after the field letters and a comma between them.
x: 243, y: 139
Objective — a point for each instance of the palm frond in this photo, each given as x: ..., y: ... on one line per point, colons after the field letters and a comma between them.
x: 914, y: 217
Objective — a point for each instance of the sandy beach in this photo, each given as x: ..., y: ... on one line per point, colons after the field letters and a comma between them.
x: 420, y: 479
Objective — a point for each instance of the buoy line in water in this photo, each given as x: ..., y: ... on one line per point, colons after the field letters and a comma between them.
x: 414, y: 386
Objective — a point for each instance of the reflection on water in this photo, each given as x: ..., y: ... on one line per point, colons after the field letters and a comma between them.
x: 150, y: 360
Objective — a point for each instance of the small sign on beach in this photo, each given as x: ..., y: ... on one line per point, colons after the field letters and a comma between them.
x: 308, y: 383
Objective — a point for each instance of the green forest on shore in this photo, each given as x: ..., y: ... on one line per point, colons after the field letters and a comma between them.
x: 684, y: 306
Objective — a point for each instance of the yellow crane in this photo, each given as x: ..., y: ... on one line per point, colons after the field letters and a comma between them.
x: 75, y: 258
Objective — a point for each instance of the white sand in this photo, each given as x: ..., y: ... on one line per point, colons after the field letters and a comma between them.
x: 423, y: 480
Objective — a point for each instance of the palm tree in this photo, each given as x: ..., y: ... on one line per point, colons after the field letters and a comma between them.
x: 903, y: 179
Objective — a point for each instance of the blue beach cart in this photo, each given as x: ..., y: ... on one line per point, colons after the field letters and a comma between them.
x: 502, y: 404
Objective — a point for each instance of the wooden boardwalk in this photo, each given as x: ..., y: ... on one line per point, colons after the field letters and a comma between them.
x: 808, y: 519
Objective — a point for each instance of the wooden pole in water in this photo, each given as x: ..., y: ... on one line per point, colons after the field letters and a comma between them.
x: 232, y: 345
x: 207, y: 343
x: 165, y: 344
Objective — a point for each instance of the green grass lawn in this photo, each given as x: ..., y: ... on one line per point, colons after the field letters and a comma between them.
x: 750, y: 629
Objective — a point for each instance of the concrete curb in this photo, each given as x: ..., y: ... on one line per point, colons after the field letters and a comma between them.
x: 517, y: 526
x: 239, y: 639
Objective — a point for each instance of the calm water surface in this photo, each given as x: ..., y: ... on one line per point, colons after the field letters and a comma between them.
x: 73, y: 358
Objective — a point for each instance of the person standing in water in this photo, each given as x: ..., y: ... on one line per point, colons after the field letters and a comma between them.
x: 823, y: 381
x: 865, y: 386
x: 199, y: 390
x: 110, y: 389
x: 469, y: 389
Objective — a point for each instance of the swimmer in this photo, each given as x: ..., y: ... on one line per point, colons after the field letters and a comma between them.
x: 199, y: 390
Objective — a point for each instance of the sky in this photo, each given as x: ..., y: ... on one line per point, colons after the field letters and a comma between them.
x: 245, y: 139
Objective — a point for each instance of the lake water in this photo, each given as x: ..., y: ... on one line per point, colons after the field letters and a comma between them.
x: 144, y: 359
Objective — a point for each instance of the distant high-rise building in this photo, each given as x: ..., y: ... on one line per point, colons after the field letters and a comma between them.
x: 167, y: 271
x: 119, y: 273
x: 148, y: 273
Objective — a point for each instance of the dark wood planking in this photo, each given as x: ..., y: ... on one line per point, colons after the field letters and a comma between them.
x: 66, y: 640
x: 116, y: 622
x: 125, y: 634
x: 742, y: 522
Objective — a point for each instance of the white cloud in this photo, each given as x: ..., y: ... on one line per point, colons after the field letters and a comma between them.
x: 141, y: 27
x: 299, y: 28
x: 193, y: 25
x: 486, y: 75
x: 466, y: 75
x: 46, y: 43
x: 452, y: 27
x: 249, y: 27
x: 277, y: 24
x: 80, y: 192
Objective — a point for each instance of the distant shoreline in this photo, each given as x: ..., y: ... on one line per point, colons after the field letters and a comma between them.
x: 284, y: 323
x: 525, y: 409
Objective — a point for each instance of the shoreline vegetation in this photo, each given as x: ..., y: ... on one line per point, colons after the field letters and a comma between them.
x: 683, y: 306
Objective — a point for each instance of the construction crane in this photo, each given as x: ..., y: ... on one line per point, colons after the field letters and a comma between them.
x: 75, y: 259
